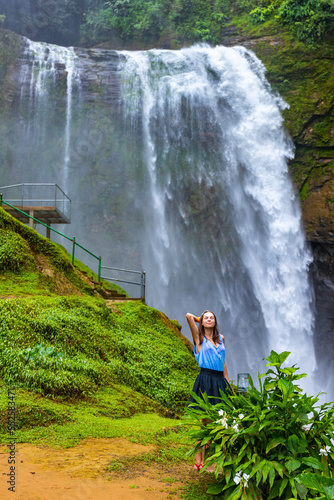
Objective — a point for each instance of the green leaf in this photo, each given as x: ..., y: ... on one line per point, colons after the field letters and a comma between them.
x: 274, y: 491
x: 215, y: 488
x: 265, y: 471
x: 279, y: 468
x: 301, y: 490
x: 275, y: 442
x: 206, y: 440
x: 293, y: 444
x: 322, y: 484
x: 272, y: 474
x: 286, y: 388
x: 292, y: 464
x: 289, y: 370
x: 293, y: 487
x: 283, y: 486
x: 270, y: 386
x: 313, y: 462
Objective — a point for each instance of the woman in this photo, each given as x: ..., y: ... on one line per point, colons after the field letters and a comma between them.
x: 209, y: 352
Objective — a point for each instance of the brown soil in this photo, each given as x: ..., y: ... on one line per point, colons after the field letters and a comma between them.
x: 81, y: 473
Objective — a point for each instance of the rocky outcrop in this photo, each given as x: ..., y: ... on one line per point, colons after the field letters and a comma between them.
x: 322, y: 273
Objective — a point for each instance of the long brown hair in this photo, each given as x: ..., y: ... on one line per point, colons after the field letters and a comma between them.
x: 201, y: 331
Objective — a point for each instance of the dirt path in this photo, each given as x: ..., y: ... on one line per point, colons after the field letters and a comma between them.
x: 80, y: 473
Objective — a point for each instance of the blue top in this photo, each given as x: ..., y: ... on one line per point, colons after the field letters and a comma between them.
x: 211, y: 357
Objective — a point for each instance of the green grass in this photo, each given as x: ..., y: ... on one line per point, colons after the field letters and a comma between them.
x: 114, y: 412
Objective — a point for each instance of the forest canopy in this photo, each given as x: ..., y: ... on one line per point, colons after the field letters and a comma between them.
x: 200, y: 20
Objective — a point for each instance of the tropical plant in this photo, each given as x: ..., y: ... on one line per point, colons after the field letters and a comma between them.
x: 271, y: 442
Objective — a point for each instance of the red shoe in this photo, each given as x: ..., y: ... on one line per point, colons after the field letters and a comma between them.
x: 198, y: 467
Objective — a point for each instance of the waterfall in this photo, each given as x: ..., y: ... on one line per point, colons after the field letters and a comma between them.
x: 177, y: 162
x: 40, y: 73
x: 212, y: 131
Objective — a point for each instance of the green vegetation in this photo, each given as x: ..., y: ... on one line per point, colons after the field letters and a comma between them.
x: 274, y: 442
x: 71, y: 347
x: 199, y: 20
x: 77, y: 369
x: 64, y: 423
x: 67, y: 353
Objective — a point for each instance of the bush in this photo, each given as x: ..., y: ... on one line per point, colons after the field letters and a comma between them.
x: 14, y: 252
x: 46, y: 370
x: 272, y: 443
x: 312, y: 20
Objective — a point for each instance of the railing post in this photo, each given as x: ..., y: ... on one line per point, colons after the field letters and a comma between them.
x: 0, y: 199
x: 142, y: 281
x: 73, y: 250
x: 99, y: 273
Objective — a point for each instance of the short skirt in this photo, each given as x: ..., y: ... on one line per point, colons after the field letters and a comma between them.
x: 210, y: 381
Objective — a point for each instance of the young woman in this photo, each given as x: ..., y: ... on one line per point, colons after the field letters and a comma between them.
x: 209, y: 352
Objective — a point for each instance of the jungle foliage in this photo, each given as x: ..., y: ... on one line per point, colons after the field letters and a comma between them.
x: 274, y: 442
x: 200, y: 20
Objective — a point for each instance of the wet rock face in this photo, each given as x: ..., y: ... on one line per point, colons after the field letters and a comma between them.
x: 322, y: 274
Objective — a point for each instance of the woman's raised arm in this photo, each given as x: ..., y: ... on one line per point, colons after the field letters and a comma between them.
x: 192, y: 320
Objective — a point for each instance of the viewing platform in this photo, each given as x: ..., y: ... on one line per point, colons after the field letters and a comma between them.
x: 46, y: 202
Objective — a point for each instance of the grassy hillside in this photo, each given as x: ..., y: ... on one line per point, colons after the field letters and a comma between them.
x: 74, y: 362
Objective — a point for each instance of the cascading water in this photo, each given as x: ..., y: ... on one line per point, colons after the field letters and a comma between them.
x: 212, y: 130
x: 176, y: 160
x: 41, y: 73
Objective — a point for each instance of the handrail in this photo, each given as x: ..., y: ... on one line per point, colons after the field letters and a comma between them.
x: 142, y: 273
x: 142, y: 282
x: 37, y: 184
x: 118, y: 269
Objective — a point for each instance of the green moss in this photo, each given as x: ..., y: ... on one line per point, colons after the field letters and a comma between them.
x: 304, y: 191
x: 14, y: 252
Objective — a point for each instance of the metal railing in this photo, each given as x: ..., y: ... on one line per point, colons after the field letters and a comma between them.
x: 142, y: 282
x: 28, y: 194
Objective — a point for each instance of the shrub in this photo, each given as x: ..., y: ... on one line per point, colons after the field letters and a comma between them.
x: 14, y: 252
x: 46, y: 370
x: 270, y: 443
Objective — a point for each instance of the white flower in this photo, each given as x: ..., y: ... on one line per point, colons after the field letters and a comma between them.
x: 325, y: 451
x: 246, y: 477
x: 241, y: 416
x: 332, y: 441
x: 306, y: 427
x: 235, y: 426
x: 237, y: 477
x: 223, y: 422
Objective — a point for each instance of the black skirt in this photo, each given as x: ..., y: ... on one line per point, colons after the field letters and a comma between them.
x: 210, y: 381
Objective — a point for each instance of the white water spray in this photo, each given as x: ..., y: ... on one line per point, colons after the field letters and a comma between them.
x: 215, y: 110
x: 42, y: 69
x: 222, y: 228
